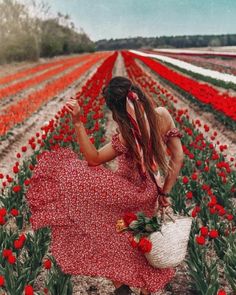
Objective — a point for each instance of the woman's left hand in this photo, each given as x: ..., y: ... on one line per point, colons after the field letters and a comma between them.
x: 163, y: 204
x: 73, y: 107
x: 164, y: 201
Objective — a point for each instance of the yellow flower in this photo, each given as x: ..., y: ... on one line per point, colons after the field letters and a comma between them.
x: 120, y: 225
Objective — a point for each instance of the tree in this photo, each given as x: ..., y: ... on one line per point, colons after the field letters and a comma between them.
x: 27, y: 32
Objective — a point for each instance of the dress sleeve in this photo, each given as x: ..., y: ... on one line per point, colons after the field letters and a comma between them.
x: 172, y: 133
x: 117, y: 145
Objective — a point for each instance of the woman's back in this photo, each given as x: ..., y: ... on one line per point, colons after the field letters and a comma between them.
x: 127, y: 166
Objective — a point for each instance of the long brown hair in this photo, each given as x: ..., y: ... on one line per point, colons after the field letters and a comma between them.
x: 115, y: 95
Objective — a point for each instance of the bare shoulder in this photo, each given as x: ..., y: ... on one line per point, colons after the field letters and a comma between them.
x: 166, y: 118
x: 161, y: 110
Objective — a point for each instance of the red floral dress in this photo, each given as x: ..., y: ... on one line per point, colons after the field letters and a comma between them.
x: 82, y: 204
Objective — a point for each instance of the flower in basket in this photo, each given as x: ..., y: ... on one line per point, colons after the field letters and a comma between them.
x: 127, y: 220
x: 141, y: 227
x: 120, y: 225
x: 129, y: 217
x: 133, y: 224
x: 145, y: 245
x: 133, y: 241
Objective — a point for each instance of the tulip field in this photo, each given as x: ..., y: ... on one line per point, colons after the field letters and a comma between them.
x: 12, y: 116
x: 223, y: 105
x: 205, y: 188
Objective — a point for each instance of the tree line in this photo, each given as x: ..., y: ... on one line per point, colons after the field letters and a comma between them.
x: 167, y: 42
x: 28, y: 32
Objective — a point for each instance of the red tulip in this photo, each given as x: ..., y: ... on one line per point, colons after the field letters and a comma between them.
x: 47, y: 264
x: 129, y: 217
x: 29, y: 290
x: 16, y: 188
x: 204, y: 230
x: 213, y: 233
x: 230, y: 217
x: 133, y: 243
x: 189, y: 195
x: 11, y: 259
x: 221, y: 292
x: 14, y: 212
x: 6, y: 252
x: 200, y: 240
x: 185, y: 179
x: 144, y: 245
x: 3, y: 211
x: 2, y: 281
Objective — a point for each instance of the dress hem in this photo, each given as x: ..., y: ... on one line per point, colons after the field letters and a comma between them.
x: 115, y: 277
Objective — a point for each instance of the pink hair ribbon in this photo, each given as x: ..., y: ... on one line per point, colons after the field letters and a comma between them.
x: 130, y: 98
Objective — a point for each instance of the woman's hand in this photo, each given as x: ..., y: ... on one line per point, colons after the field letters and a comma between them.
x: 163, y: 204
x: 74, y: 109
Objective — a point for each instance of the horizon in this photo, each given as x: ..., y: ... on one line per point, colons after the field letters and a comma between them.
x: 131, y: 37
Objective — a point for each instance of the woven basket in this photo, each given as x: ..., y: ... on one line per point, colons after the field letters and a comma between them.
x: 169, y: 246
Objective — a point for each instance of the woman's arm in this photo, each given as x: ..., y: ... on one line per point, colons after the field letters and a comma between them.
x: 176, y: 150
x: 86, y: 147
x: 176, y: 161
x: 93, y: 156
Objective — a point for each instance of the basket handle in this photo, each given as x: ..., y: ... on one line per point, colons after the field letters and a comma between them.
x: 164, y: 217
x: 164, y: 214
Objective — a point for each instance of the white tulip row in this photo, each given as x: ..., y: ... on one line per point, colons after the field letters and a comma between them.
x: 190, y: 67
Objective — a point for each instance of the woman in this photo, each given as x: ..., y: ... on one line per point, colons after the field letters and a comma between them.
x: 81, y: 200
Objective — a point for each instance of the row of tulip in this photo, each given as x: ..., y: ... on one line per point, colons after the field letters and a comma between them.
x: 204, y: 189
x: 17, y: 87
x: 24, y: 254
x: 227, y: 66
x: 203, y: 53
x: 200, y: 62
x: 24, y: 108
x: 225, y: 86
x: 24, y: 73
x: 222, y: 105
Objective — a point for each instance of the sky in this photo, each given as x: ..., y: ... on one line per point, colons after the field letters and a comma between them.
x: 106, y: 19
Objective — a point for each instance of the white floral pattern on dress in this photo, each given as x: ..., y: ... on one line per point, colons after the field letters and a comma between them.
x: 81, y: 205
